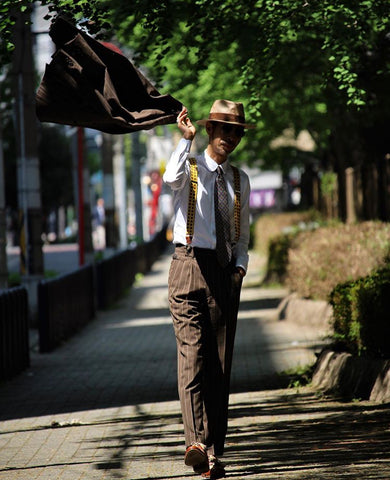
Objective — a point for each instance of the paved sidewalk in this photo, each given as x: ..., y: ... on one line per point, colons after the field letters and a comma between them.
x: 104, y: 405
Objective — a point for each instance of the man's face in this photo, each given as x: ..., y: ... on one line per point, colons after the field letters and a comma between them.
x: 223, y: 139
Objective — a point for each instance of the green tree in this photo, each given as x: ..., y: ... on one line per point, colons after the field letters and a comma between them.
x: 322, y: 66
x: 270, y: 35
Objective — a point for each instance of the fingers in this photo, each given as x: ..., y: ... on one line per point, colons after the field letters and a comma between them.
x: 185, y: 125
x: 182, y: 118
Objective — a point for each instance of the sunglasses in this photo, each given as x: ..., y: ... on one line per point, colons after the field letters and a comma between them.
x: 232, y: 130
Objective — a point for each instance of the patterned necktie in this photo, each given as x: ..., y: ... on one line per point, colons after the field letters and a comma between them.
x: 222, y: 221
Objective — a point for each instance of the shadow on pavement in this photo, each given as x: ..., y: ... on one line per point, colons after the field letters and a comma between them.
x: 272, y: 435
x: 127, y: 356
x: 303, y: 436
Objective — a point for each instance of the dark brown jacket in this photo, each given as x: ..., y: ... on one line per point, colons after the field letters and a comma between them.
x: 90, y: 85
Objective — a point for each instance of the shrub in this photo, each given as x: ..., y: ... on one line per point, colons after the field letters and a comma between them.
x: 272, y: 237
x: 278, y: 258
x: 321, y: 259
x: 14, y: 279
x: 361, y: 319
x: 268, y: 226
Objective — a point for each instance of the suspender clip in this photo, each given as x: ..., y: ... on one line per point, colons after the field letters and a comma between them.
x: 188, y: 244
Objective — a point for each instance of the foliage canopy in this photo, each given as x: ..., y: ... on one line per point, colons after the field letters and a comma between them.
x: 306, y: 64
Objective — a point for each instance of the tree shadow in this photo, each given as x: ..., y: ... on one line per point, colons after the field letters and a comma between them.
x: 306, y: 437
x: 294, y: 436
x: 126, y: 356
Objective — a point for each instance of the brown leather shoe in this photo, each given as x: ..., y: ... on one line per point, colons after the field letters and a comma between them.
x: 216, y: 470
x: 196, y: 457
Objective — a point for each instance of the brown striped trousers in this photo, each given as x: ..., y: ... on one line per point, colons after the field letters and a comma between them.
x: 204, y: 301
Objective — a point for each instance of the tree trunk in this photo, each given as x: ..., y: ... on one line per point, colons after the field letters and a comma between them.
x: 383, y: 167
x: 350, y: 195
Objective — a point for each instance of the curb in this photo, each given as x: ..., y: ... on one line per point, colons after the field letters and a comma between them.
x: 353, y: 377
x: 338, y: 372
x: 313, y: 313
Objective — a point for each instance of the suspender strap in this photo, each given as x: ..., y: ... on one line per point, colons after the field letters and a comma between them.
x: 192, y: 194
x: 237, y: 203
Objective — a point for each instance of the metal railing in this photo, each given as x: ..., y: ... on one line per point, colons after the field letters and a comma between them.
x: 14, y: 332
x: 65, y: 305
x: 68, y: 302
x: 114, y: 275
x: 117, y: 273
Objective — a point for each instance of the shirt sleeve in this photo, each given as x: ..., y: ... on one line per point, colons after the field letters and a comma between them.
x: 176, y: 171
x: 241, y: 248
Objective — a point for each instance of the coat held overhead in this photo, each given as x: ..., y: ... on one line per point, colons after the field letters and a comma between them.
x: 89, y: 84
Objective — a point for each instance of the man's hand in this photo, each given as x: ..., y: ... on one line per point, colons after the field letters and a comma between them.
x: 185, y: 125
x: 241, y: 272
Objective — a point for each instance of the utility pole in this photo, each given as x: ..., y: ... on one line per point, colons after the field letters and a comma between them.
x: 119, y: 168
x: 136, y: 184
x: 80, y: 194
x: 83, y: 202
x: 108, y: 192
x: 29, y: 194
x: 3, y: 226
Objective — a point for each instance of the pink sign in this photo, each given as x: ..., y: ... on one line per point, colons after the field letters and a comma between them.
x: 262, y: 198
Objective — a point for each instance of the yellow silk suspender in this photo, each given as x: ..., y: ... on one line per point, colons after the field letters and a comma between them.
x: 192, y: 194
x: 237, y: 203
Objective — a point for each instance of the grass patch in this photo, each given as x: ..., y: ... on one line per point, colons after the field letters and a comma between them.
x: 298, y: 377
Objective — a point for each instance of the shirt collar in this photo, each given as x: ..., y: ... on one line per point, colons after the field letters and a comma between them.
x: 212, y: 165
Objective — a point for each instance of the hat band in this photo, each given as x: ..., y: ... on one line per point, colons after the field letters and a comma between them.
x: 226, y: 117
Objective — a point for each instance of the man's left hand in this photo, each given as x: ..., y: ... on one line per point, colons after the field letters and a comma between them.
x: 241, y: 271
x: 185, y: 125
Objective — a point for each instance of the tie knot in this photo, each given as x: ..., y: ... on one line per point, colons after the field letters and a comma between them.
x: 219, y: 171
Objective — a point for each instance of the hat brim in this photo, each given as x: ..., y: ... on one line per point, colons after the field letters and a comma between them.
x: 205, y: 120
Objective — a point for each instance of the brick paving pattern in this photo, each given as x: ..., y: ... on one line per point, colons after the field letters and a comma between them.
x: 105, y: 406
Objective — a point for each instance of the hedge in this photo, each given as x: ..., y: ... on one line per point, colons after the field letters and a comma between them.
x: 278, y: 248
x: 361, y: 314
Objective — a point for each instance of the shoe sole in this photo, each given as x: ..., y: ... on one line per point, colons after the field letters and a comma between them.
x: 198, y: 460
x: 202, y: 468
x: 214, y: 475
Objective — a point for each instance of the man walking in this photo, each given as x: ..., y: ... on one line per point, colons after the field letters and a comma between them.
x: 211, y: 236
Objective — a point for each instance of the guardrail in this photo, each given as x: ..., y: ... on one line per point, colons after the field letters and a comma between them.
x: 114, y: 275
x: 68, y: 302
x: 117, y: 273
x: 65, y: 305
x: 14, y: 332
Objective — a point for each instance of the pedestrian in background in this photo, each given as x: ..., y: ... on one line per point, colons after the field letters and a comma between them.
x: 211, y: 236
x: 99, y: 222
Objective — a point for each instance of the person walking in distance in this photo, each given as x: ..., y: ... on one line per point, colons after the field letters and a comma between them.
x: 211, y: 236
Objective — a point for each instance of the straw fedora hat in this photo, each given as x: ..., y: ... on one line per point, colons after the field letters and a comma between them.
x: 226, y: 111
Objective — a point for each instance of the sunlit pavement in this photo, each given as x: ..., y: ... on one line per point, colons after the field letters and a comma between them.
x: 104, y: 405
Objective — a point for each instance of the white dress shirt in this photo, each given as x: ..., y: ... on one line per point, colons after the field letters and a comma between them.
x: 177, y: 176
